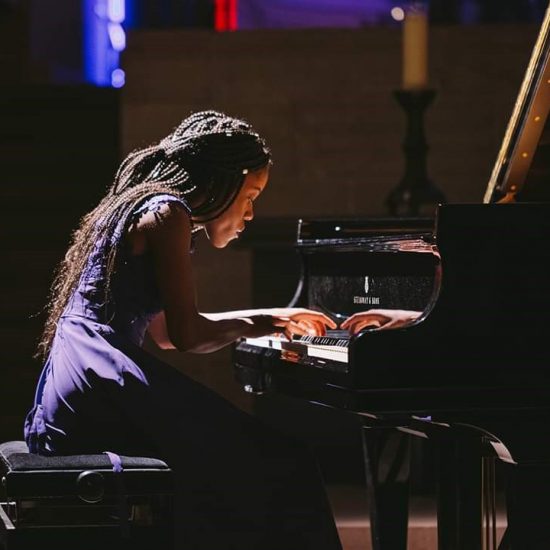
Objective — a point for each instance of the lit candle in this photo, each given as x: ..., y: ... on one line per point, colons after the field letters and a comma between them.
x: 415, y: 47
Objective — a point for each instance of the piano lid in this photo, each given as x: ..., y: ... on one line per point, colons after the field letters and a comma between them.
x: 522, y: 168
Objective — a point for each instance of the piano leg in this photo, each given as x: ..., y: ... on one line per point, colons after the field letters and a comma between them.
x: 459, y: 492
x: 386, y: 455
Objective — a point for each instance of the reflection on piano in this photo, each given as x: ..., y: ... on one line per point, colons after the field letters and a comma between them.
x: 472, y: 372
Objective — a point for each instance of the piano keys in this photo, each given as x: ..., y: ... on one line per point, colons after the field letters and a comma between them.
x: 324, y: 352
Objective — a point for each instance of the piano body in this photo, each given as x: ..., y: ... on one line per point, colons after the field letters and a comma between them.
x: 472, y: 373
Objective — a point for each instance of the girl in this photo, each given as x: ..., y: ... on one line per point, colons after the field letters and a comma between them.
x: 128, y: 271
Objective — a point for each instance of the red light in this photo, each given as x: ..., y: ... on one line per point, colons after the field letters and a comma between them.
x: 225, y: 15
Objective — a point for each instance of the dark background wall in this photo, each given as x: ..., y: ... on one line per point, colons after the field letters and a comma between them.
x: 59, y: 147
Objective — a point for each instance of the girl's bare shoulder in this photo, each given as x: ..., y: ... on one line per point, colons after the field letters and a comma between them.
x: 168, y: 219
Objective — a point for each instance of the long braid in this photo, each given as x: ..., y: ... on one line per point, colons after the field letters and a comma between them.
x: 204, y: 160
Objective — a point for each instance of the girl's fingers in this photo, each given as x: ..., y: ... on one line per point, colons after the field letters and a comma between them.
x: 379, y: 319
x: 304, y: 324
x: 294, y: 329
x: 361, y: 318
x: 306, y: 328
x: 327, y: 321
x: 358, y: 325
x: 315, y: 328
x: 298, y: 329
x: 315, y: 316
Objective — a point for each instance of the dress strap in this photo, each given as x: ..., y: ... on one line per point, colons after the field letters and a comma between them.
x: 153, y: 203
x: 115, y: 460
x: 150, y: 203
x: 123, y: 510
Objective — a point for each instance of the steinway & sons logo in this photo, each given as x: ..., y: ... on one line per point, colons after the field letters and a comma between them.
x: 367, y: 300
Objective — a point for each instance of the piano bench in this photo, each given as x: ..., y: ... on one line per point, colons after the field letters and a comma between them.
x: 80, y: 502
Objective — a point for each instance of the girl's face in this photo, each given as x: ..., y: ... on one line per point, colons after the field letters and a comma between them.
x: 231, y: 223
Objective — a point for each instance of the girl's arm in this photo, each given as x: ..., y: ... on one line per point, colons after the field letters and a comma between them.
x: 181, y: 326
x: 288, y: 321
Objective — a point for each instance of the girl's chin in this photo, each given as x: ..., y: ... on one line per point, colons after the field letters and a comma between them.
x: 221, y: 240
x: 221, y: 243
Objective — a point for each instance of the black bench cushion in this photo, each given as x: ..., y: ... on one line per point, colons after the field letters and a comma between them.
x: 15, y: 456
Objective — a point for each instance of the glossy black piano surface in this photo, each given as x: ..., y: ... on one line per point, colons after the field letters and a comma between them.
x: 482, y: 284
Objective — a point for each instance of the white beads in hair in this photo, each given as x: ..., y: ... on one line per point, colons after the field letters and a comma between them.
x: 205, y: 123
x: 172, y: 175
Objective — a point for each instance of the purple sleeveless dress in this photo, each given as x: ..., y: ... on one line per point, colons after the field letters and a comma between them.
x: 239, y: 484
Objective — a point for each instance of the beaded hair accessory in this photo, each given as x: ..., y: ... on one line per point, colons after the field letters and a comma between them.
x: 206, y: 123
x: 190, y: 135
x: 198, y: 160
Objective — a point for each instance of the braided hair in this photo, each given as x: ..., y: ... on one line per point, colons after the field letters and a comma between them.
x: 204, y: 161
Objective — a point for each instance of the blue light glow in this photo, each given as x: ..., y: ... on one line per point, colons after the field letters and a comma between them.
x: 117, y: 36
x: 104, y: 39
x: 116, y: 11
x: 118, y: 78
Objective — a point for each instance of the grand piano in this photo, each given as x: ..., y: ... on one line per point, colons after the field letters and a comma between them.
x: 471, y: 373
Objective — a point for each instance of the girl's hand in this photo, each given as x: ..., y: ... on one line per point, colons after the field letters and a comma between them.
x: 304, y: 322
x: 290, y: 322
x: 379, y: 318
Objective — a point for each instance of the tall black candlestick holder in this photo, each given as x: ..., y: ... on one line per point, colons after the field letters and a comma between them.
x: 415, y: 195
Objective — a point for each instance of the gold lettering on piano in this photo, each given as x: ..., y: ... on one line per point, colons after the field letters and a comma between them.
x: 369, y: 300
